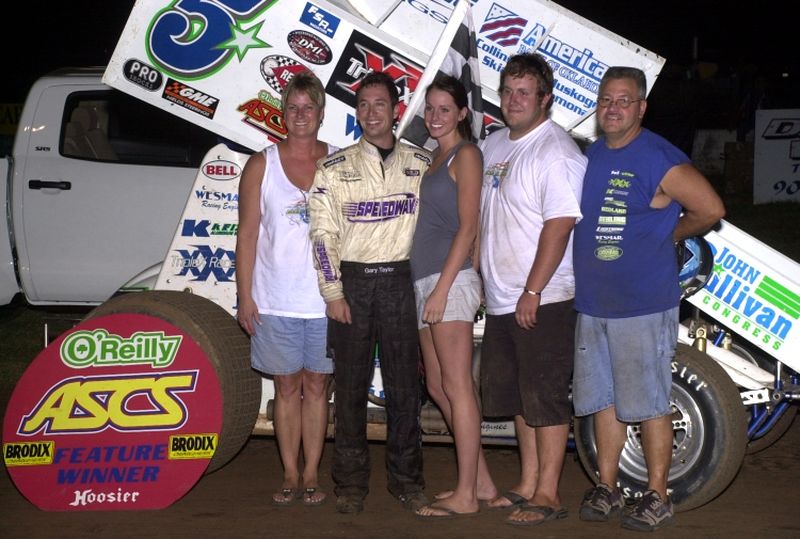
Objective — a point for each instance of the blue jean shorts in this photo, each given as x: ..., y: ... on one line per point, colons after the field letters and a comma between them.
x: 625, y: 362
x: 284, y: 345
x: 463, y: 298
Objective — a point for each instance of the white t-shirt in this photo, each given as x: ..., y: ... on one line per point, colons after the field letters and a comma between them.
x: 284, y: 279
x: 526, y: 182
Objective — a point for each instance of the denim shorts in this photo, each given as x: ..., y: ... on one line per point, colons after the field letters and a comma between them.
x: 463, y: 299
x: 284, y: 345
x: 625, y: 362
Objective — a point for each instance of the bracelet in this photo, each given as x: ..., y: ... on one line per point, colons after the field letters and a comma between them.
x: 531, y: 292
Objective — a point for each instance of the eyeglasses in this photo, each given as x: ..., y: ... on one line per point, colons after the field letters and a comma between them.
x: 621, y: 102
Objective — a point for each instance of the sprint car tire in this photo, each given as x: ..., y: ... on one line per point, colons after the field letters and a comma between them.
x: 709, y: 424
x: 224, y: 343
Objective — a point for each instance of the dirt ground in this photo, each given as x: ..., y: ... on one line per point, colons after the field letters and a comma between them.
x: 235, y: 502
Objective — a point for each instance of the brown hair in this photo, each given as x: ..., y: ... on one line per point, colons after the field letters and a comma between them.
x: 532, y: 64
x: 453, y: 86
x: 305, y: 81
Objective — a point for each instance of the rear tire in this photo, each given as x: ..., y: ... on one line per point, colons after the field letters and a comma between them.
x: 787, y: 416
x: 710, y: 435
x: 224, y: 343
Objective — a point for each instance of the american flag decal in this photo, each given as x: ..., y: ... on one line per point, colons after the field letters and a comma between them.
x: 502, y: 26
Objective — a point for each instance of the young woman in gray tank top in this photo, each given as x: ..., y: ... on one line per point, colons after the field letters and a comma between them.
x: 444, y: 258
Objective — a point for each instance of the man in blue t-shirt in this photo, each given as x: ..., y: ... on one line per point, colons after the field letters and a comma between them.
x: 640, y: 196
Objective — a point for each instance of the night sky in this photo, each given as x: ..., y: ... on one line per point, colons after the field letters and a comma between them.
x: 731, y: 34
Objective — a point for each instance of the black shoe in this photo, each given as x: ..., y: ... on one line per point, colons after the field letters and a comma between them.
x: 349, y: 504
x: 649, y: 514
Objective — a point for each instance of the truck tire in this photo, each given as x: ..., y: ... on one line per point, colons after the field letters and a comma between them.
x: 710, y: 435
x: 224, y: 343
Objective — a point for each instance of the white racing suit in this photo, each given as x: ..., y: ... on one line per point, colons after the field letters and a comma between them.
x: 363, y: 212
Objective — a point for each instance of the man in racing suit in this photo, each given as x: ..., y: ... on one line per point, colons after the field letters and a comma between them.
x: 363, y: 211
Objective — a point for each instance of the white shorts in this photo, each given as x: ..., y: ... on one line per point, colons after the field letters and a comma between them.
x: 463, y: 299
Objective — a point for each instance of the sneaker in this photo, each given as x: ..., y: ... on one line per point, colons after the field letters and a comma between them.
x: 649, y: 514
x: 601, y: 503
x: 413, y: 501
x: 349, y: 504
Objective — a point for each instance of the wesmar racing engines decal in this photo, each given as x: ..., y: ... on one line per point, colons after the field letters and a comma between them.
x: 123, y: 412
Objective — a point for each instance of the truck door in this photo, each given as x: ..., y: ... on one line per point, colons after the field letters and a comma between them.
x: 102, y: 187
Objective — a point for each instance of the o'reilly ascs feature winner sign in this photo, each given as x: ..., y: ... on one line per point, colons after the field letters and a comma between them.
x: 122, y: 412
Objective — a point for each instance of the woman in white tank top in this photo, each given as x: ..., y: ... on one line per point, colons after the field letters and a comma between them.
x: 279, y: 305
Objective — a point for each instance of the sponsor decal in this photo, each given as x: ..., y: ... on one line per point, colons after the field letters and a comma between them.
x: 193, y: 40
x: 411, y: 171
x: 190, y: 98
x: 502, y: 26
x: 360, y: 56
x: 278, y: 70
x: 780, y: 128
x: 203, y: 262
x: 576, y: 69
x: 383, y: 209
x: 221, y: 170
x: 218, y: 200
x: 348, y: 176
x: 309, y: 47
x: 492, y: 117
x: 265, y: 114
x: 581, y: 66
x: 743, y: 296
x: 324, y: 263
x: 200, y: 228
x: 319, y: 19
x: 89, y: 348
x: 422, y: 157
x: 91, y: 423
x: 331, y: 162
x: 428, y: 8
x: 28, y: 453
x: 192, y: 446
x: 352, y: 127
x: 71, y: 406
x: 142, y: 75
x: 607, y: 253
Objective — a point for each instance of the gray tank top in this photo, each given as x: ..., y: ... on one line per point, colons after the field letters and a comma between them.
x: 438, y: 222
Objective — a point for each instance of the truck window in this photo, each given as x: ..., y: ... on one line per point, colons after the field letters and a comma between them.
x: 112, y: 126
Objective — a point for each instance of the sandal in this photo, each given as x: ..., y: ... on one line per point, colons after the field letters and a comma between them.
x: 285, y: 496
x: 313, y: 496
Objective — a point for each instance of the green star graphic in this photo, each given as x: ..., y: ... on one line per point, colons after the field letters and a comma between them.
x: 718, y: 269
x: 242, y: 40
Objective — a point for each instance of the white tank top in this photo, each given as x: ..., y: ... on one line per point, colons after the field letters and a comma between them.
x: 284, y: 279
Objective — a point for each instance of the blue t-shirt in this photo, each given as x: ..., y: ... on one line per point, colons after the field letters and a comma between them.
x: 623, y: 253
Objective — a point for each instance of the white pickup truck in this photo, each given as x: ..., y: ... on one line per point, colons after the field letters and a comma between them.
x: 93, y: 189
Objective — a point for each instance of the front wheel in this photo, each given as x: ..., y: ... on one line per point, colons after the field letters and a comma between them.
x: 710, y: 435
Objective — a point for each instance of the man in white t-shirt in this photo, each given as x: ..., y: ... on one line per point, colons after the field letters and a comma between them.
x: 530, y: 202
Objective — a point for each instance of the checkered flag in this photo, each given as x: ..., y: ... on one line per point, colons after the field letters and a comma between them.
x: 456, y: 54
